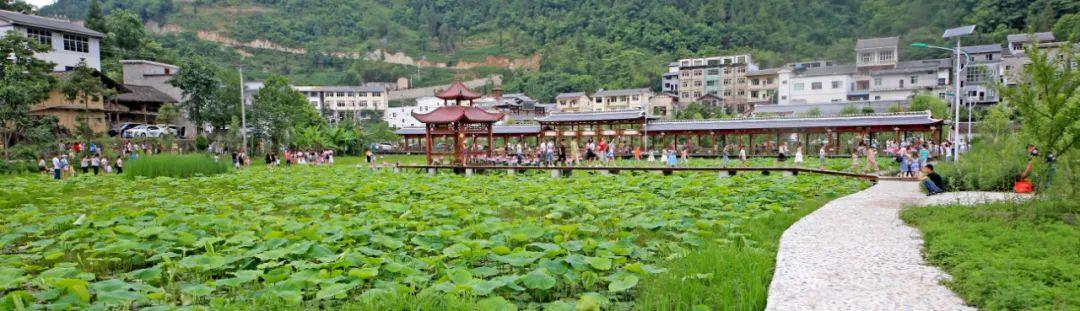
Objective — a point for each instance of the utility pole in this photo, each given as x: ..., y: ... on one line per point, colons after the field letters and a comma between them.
x: 956, y: 105
x: 243, y: 109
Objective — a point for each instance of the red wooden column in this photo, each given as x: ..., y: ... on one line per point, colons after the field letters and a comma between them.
x: 491, y: 139
x: 427, y: 138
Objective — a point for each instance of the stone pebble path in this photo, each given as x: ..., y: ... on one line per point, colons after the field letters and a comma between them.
x: 855, y: 253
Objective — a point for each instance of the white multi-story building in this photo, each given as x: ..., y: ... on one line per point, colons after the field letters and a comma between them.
x: 625, y: 99
x: 909, y: 78
x: 814, y: 85
x: 401, y: 117
x: 336, y: 102
x: 573, y: 102
x: 70, y: 42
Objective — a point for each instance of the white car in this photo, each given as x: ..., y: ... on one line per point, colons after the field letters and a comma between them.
x: 145, y: 131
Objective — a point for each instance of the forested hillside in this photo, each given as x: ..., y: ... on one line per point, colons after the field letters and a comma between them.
x: 582, y: 44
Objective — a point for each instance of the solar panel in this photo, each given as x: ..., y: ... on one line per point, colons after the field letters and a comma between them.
x: 959, y: 31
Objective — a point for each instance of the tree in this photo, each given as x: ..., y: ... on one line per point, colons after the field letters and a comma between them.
x: 1068, y: 28
x: 1049, y: 102
x: 996, y: 123
x: 813, y: 112
x: 24, y: 81
x: 167, y: 114
x: 16, y: 5
x: 84, y: 85
x: 924, y: 101
x: 198, y: 79
x: 95, y: 19
x: 278, y: 108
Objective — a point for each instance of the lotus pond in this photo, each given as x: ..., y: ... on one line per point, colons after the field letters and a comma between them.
x: 321, y: 236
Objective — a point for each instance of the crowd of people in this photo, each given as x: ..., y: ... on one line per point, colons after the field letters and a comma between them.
x: 92, y: 158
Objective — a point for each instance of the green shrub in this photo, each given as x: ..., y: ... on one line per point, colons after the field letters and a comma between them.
x: 987, y: 167
x: 17, y: 167
x: 201, y: 143
x: 991, y: 166
x: 180, y: 166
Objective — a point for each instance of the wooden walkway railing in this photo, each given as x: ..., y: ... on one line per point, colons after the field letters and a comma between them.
x: 560, y: 170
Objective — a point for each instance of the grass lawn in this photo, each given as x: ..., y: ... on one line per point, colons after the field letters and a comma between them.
x: 348, y: 238
x: 1006, y: 256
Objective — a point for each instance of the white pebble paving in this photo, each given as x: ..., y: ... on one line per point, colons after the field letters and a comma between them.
x: 855, y: 253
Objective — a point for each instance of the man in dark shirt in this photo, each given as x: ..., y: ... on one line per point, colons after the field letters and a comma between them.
x: 932, y: 181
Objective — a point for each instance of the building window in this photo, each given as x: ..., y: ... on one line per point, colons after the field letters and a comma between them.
x: 727, y: 92
x: 727, y: 81
x: 698, y: 83
x: 713, y: 72
x: 755, y: 82
x: 877, y: 81
x: 742, y: 81
x: 768, y: 81
x: 42, y: 36
x: 710, y: 83
x: 754, y: 94
x: 742, y: 69
x: 798, y: 86
x: 989, y: 56
x: 685, y: 95
x: 815, y: 85
x: 340, y: 104
x: 697, y: 94
x: 697, y: 72
x: 836, y: 84
x: 727, y: 70
x: 741, y: 92
x: 866, y: 57
x: 914, y: 80
x: 885, y: 56
x: 76, y: 43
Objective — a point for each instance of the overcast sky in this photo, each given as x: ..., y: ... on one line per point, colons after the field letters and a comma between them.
x: 40, y: 3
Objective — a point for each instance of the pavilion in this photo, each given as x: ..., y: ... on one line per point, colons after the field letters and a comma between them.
x: 458, y: 122
x: 630, y: 129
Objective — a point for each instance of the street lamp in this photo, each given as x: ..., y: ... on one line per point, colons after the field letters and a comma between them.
x: 954, y: 33
x: 243, y: 112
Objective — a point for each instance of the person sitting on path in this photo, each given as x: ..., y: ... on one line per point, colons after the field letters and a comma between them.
x: 932, y: 181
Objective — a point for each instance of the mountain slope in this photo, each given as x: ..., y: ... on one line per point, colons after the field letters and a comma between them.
x: 567, y: 44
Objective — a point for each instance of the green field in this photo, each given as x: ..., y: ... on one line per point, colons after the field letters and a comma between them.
x: 1006, y: 256
x: 351, y: 238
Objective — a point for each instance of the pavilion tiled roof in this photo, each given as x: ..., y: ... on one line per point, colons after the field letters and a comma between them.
x: 457, y: 91
x: 891, y: 119
x: 626, y: 115
x: 448, y: 114
x: 498, y: 130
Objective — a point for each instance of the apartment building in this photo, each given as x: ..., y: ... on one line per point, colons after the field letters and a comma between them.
x: 624, y: 99
x: 814, y: 85
x: 910, y: 77
x: 872, y: 54
x: 71, y: 43
x: 979, y: 79
x: 573, y: 102
x: 337, y: 102
x: 723, y: 76
x: 401, y: 117
x: 762, y: 86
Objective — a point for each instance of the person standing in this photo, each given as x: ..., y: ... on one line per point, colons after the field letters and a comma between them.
x: 781, y: 155
x: 854, y: 161
x: 56, y: 167
x: 798, y: 156
x: 105, y: 165
x: 821, y: 156
x: 742, y: 155
x: 562, y: 154
x: 601, y: 150
x: 84, y: 164
x: 575, y: 153
x: 95, y: 164
x: 119, y: 165
x: 65, y: 166
x: 686, y: 156
x: 672, y: 158
x: 637, y: 154
x: 519, y: 153
x: 871, y: 161
x: 924, y: 155
x: 726, y: 150
x: 41, y: 166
